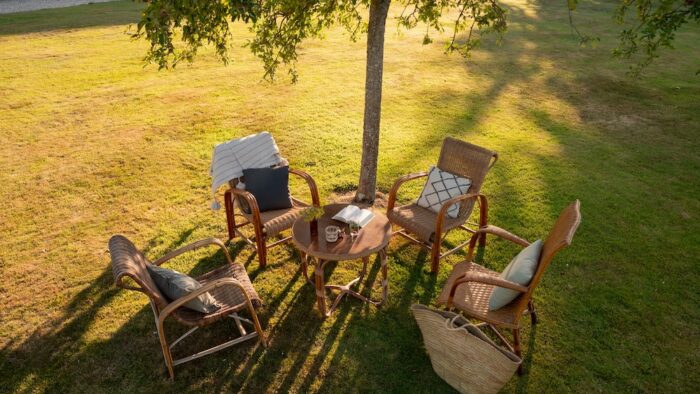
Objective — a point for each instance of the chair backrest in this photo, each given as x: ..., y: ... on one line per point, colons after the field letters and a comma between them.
x: 129, y: 261
x: 559, y: 237
x: 468, y: 161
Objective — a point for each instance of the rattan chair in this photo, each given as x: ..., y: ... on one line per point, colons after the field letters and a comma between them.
x: 265, y: 224
x: 229, y: 285
x: 429, y: 229
x: 470, y: 285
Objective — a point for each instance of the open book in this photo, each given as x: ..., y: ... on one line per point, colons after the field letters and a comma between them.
x: 353, y: 214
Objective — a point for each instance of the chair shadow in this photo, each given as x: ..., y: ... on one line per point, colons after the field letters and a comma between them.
x: 521, y: 385
x: 60, y: 342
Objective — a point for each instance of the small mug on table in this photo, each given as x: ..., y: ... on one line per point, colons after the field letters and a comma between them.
x: 332, y: 233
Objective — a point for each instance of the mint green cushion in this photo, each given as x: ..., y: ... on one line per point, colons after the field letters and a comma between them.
x: 520, y: 270
x: 175, y: 284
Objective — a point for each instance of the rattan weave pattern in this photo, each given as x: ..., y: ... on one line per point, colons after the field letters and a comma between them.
x: 466, y: 160
x: 276, y: 221
x: 421, y: 221
x: 461, y: 354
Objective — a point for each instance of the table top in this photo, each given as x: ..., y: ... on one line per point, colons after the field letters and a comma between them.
x: 372, y: 238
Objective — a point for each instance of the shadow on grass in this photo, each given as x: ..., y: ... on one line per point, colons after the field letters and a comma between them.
x: 306, y: 353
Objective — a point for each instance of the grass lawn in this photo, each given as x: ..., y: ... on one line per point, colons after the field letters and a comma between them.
x: 93, y: 144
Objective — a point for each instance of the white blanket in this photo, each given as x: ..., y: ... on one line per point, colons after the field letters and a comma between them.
x: 230, y: 159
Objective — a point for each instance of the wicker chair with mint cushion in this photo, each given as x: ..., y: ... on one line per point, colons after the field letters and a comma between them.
x: 229, y: 285
x: 470, y: 286
x: 427, y: 228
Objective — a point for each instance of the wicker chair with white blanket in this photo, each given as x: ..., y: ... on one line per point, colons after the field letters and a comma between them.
x: 228, y: 162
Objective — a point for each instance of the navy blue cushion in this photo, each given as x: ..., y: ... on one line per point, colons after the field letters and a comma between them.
x: 269, y: 186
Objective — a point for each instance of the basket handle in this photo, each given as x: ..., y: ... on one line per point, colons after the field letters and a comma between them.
x: 450, y: 324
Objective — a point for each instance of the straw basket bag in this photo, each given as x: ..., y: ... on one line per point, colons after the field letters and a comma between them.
x: 461, y: 354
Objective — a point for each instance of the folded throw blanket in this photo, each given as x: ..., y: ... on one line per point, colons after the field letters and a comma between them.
x: 230, y: 159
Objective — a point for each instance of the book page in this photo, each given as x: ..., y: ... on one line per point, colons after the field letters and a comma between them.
x: 364, y: 216
x: 353, y: 214
x: 346, y: 213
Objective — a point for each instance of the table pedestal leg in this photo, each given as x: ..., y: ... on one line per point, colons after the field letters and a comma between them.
x: 320, y: 288
x: 347, y: 288
x: 305, y: 268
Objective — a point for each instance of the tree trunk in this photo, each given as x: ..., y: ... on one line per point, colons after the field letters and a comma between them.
x: 378, y: 10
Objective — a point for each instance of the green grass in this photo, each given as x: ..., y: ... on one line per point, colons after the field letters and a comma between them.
x: 93, y: 144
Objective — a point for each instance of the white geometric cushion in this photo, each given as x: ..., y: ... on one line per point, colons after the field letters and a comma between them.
x: 520, y: 270
x: 440, y: 187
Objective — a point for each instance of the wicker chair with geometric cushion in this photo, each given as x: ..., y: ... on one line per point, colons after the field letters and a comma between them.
x: 265, y: 224
x: 470, y: 285
x: 228, y: 285
x: 427, y: 228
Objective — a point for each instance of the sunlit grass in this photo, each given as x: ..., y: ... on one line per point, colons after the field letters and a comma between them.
x: 92, y: 144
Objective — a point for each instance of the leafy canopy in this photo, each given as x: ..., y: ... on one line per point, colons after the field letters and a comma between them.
x: 656, y: 24
x: 280, y: 26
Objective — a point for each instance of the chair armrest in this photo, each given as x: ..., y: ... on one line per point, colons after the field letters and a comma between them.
x: 315, y: 200
x: 204, y: 289
x: 497, y: 231
x: 250, y: 199
x: 486, y: 279
x: 446, y: 206
x: 397, y: 185
x: 505, y: 234
x: 193, y: 246
x: 495, y: 159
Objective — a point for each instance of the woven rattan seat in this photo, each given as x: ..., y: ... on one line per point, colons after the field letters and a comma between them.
x: 276, y: 221
x: 230, y: 298
x: 229, y: 285
x: 421, y: 221
x: 473, y: 297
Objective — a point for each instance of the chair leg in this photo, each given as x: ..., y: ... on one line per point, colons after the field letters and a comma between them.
x: 166, y: 349
x: 435, y: 254
x: 230, y: 216
x: 533, y: 312
x: 516, y: 348
x: 256, y: 324
x: 260, y: 243
x: 483, y: 218
x: 261, y: 246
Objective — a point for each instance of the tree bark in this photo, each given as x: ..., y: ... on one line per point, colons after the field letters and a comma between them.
x: 367, y: 187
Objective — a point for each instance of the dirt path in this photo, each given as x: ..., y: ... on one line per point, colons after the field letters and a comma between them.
x: 10, y: 6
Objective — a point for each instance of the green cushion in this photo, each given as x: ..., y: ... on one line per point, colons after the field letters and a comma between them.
x: 175, y: 284
x: 520, y: 270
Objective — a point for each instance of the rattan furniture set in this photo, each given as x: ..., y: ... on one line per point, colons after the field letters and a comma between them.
x: 467, y: 289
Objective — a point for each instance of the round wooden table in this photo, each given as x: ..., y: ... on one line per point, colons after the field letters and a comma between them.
x: 372, y: 238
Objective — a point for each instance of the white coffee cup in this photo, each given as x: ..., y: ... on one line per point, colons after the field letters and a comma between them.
x: 332, y: 233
